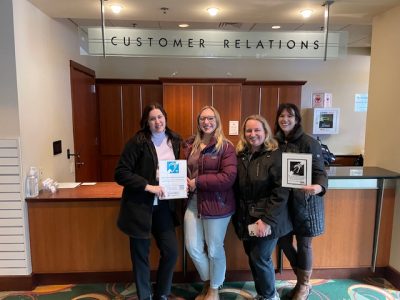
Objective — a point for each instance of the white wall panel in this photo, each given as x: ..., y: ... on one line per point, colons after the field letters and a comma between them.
x: 13, y: 254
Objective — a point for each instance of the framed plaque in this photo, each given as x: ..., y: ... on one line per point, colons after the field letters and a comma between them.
x: 296, y: 169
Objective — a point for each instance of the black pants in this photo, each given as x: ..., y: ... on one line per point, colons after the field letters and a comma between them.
x: 259, y: 251
x: 163, y: 231
x: 302, y: 256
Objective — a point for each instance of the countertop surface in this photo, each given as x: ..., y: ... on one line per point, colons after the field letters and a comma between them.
x: 360, y: 173
x: 112, y: 191
x: 99, y: 191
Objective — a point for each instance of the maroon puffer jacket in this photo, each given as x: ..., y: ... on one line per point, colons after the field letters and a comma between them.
x: 214, y: 184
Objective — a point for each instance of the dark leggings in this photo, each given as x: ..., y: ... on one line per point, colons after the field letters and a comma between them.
x: 300, y: 258
x: 163, y: 231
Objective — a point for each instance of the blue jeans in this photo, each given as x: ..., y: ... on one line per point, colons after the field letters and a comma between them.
x: 210, y: 264
x: 259, y: 251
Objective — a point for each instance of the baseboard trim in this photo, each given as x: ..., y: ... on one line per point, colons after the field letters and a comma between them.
x: 393, y: 276
x: 337, y: 273
x: 17, y: 283
x: 29, y: 282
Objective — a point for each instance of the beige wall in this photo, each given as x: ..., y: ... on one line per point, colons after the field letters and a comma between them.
x: 343, y: 77
x: 9, y: 127
x: 382, y: 133
x: 43, y: 47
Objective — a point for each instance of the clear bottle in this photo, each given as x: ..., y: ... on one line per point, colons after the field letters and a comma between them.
x: 32, y: 183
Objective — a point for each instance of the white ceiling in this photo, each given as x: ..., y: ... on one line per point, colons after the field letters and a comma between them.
x: 354, y: 16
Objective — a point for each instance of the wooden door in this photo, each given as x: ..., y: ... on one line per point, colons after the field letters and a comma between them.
x: 226, y: 99
x: 85, y: 123
x: 110, y: 113
x: 178, y: 105
x: 251, y: 99
x: 151, y: 93
x: 269, y: 103
x: 111, y: 133
x: 131, y: 111
x: 290, y: 94
x: 202, y: 96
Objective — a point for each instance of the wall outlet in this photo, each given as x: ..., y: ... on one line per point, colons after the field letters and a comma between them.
x: 41, y: 172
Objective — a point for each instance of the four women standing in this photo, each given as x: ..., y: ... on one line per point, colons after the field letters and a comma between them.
x: 262, y: 213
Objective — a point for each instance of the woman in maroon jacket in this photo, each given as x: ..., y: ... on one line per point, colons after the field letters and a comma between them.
x: 211, y: 175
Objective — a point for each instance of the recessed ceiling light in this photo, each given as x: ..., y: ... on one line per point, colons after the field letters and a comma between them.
x: 183, y: 25
x: 116, y: 8
x: 212, y: 11
x: 306, y: 13
x: 276, y: 27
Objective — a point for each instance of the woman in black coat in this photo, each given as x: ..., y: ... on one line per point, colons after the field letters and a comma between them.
x: 142, y: 213
x: 261, y: 202
x: 306, y: 205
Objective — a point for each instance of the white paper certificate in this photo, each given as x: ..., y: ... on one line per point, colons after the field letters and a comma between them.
x: 296, y: 169
x: 172, y: 178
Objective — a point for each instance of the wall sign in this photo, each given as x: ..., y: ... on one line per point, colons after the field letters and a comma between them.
x: 326, y: 120
x: 215, y: 44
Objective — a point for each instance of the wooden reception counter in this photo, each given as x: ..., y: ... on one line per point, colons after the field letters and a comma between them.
x: 73, y: 232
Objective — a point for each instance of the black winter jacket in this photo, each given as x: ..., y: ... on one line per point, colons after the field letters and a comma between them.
x: 307, y: 213
x: 136, y: 168
x: 259, y: 193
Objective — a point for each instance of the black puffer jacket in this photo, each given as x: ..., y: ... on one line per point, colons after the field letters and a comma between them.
x: 259, y: 193
x: 136, y: 168
x: 307, y: 213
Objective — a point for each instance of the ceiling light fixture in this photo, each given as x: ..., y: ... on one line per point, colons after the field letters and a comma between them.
x: 116, y: 8
x: 276, y: 27
x: 183, y: 25
x: 164, y: 10
x: 306, y: 13
x: 212, y: 11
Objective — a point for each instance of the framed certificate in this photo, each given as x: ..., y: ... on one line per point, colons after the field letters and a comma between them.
x: 296, y: 169
x: 172, y: 178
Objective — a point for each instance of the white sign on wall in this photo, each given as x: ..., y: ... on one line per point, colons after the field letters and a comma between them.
x: 326, y: 120
x: 214, y: 44
x: 233, y: 127
x: 360, y: 102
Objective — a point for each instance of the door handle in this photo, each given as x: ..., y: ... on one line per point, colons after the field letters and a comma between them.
x: 69, y: 154
x: 79, y: 163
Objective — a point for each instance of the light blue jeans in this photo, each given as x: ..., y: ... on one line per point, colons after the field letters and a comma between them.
x: 198, y: 232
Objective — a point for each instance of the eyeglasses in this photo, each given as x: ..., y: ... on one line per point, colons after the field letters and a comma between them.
x: 208, y: 118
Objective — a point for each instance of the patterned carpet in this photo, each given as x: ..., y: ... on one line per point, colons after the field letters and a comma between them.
x: 342, y: 289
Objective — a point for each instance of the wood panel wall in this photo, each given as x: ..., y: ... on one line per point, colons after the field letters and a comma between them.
x: 121, y: 103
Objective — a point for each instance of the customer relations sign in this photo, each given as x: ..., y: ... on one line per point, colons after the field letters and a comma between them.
x: 215, y: 44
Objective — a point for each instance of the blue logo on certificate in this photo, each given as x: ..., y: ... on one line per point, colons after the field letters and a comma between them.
x: 172, y: 167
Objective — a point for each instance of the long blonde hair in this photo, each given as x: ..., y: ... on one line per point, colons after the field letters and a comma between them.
x: 270, y: 143
x: 218, y: 132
